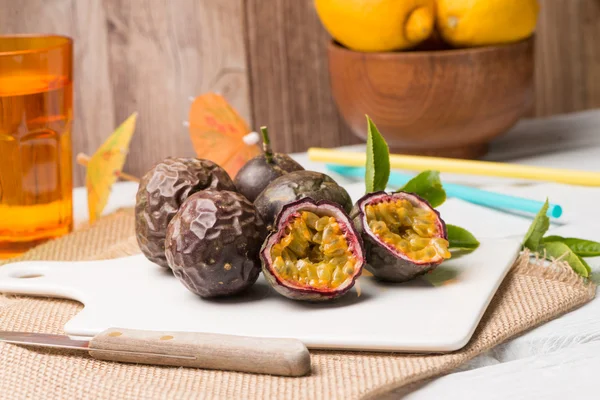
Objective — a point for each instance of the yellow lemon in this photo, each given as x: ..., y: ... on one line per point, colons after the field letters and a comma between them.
x: 486, y: 22
x: 377, y: 25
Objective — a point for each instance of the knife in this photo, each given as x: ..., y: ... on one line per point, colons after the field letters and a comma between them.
x: 286, y: 357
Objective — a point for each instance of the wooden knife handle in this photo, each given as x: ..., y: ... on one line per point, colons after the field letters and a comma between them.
x: 287, y: 357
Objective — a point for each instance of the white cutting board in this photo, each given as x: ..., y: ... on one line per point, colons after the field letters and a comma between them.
x: 432, y: 314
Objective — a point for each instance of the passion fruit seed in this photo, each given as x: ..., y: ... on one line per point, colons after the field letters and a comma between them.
x: 410, y: 230
x: 313, y: 252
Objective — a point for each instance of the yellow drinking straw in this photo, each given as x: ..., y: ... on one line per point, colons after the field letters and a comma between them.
x: 467, y: 167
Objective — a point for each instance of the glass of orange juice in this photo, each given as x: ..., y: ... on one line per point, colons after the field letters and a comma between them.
x: 36, y: 111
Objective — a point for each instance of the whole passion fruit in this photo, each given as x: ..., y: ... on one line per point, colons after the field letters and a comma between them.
x: 297, y: 185
x: 257, y: 173
x: 314, y: 254
x: 213, y: 243
x: 404, y: 236
x: 162, y: 191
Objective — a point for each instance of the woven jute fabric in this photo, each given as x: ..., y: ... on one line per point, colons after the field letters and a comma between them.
x: 530, y: 295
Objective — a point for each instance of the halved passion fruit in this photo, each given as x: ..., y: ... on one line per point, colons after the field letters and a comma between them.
x: 315, y: 253
x: 404, y: 236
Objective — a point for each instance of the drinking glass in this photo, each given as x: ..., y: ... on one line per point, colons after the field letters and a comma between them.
x: 36, y: 111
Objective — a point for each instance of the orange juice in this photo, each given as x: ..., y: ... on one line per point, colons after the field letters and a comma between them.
x: 35, y: 141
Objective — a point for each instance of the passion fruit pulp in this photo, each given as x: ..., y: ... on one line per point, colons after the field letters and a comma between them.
x: 404, y: 236
x: 161, y: 192
x: 297, y: 185
x: 213, y: 243
x: 315, y: 253
x: 261, y: 170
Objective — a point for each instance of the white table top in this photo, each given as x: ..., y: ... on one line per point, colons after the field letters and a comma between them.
x: 557, y: 359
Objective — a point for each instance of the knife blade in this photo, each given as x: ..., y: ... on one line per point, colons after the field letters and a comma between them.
x: 60, y: 342
x: 274, y: 356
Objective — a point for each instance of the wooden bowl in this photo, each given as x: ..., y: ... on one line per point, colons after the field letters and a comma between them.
x: 448, y: 103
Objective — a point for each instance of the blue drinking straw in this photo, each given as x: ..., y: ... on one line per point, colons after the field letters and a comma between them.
x: 467, y: 193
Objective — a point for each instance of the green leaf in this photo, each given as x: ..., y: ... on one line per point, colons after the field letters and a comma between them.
x: 460, y: 238
x: 553, y: 238
x: 427, y: 185
x: 377, y: 169
x: 581, y: 247
x: 586, y: 265
x: 541, y: 223
x: 562, y: 251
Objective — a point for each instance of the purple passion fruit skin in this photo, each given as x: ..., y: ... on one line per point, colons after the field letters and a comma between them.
x: 315, y: 254
x: 213, y: 243
x: 257, y: 173
x: 297, y: 185
x: 404, y: 236
x: 162, y: 191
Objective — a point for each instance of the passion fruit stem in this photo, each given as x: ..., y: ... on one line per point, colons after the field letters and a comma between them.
x: 266, y: 144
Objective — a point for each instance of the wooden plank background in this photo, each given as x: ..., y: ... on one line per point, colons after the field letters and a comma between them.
x: 148, y: 56
x: 269, y: 61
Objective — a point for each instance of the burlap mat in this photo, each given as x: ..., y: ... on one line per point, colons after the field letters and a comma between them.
x: 530, y: 295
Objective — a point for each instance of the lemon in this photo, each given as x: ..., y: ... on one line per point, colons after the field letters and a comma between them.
x: 486, y: 22
x: 377, y: 25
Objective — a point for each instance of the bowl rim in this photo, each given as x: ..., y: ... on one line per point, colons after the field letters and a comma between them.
x: 333, y: 45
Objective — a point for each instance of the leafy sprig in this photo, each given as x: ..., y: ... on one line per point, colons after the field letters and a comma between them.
x: 570, y: 250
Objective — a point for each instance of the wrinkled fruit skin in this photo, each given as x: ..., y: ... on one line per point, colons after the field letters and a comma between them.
x: 298, y: 185
x: 213, y: 242
x: 382, y: 262
x: 162, y: 191
x: 317, y: 207
x: 257, y: 173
